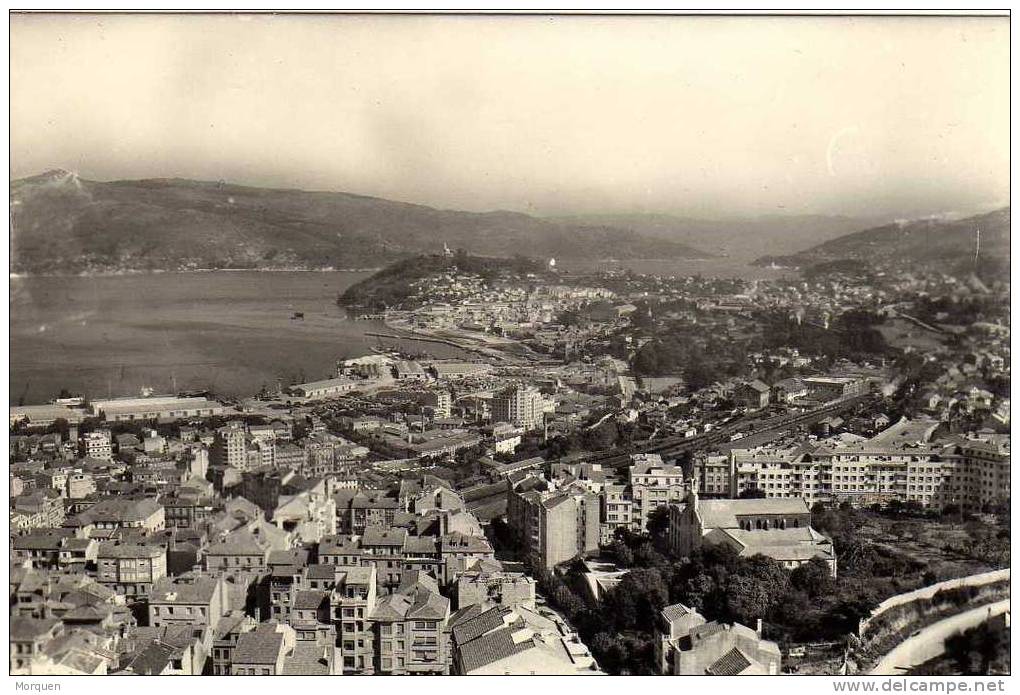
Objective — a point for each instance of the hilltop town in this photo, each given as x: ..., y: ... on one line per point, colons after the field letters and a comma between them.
x: 630, y: 474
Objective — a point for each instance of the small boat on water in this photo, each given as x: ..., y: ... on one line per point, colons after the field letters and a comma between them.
x: 298, y: 316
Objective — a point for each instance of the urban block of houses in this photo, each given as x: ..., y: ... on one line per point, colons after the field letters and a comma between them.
x: 688, y: 645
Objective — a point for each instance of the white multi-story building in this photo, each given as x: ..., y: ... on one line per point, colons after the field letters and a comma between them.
x: 900, y: 463
x: 654, y: 484
x: 519, y: 405
x: 98, y: 444
x: 713, y: 473
x: 440, y: 402
x: 230, y: 447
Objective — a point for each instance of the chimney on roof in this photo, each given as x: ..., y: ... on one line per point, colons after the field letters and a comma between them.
x: 758, y: 628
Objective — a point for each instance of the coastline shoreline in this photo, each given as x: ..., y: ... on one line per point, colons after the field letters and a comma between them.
x: 182, y: 271
x: 372, y: 269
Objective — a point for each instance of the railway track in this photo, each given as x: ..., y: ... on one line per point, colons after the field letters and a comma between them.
x: 763, y: 431
x: 484, y: 495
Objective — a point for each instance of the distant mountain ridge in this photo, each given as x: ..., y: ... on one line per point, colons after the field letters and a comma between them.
x: 741, y: 238
x: 951, y: 244
x: 61, y: 223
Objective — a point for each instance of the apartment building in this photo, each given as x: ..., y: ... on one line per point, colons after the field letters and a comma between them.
x: 351, y: 601
x: 617, y: 510
x: 555, y: 524
x: 130, y: 569
x: 901, y: 463
x: 194, y: 599
x: 654, y: 484
x: 440, y: 402
x: 357, y: 509
x: 98, y: 445
x: 713, y: 473
x: 410, y: 629
x: 229, y: 447
x: 519, y: 405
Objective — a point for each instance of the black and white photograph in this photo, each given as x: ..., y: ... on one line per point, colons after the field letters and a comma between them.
x: 493, y: 343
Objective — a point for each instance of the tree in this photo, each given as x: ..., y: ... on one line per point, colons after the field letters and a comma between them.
x: 747, y: 600
x: 658, y: 525
x: 648, y: 556
x: 751, y: 493
x: 60, y: 426
x: 636, y: 601
x: 846, y: 616
x: 701, y: 592
x: 901, y: 529
x: 813, y: 578
x: 622, y: 553
x: 609, y: 651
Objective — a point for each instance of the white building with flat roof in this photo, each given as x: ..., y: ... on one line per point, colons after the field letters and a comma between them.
x: 155, y: 408
x: 326, y: 388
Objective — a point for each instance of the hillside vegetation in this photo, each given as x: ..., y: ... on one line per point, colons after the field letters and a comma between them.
x: 950, y: 245
x: 65, y: 224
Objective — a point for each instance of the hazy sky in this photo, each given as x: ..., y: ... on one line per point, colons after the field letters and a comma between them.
x: 706, y: 116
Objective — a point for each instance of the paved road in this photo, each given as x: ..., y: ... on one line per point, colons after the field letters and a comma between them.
x: 931, y: 642
x: 931, y: 590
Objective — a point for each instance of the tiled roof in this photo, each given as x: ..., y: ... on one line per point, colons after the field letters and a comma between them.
x: 458, y: 542
x: 491, y: 648
x: 358, y: 575
x: 259, y: 647
x: 374, y: 499
x: 732, y: 663
x: 724, y: 513
x: 429, y: 605
x: 380, y: 535
x: 675, y: 612
x: 291, y: 556
x: 473, y: 628
x: 197, y: 591
x: 792, y: 544
x: 151, y: 660
x: 85, y: 614
x: 307, y: 660
x: 119, y: 510
x: 331, y: 545
x: 30, y: 628
x: 320, y: 571
x: 112, y: 549
x: 309, y: 600
x: 239, y: 543
x: 48, y: 540
x: 392, y: 607
x: 420, y: 544
x: 464, y: 614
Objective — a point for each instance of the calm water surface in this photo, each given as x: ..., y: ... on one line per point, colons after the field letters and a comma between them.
x: 230, y: 332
